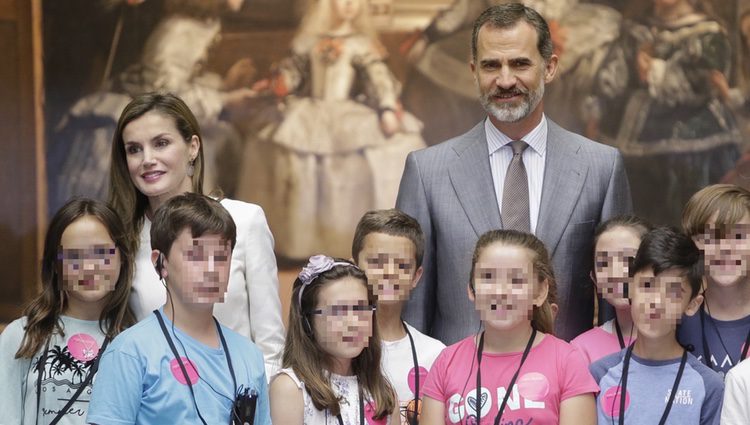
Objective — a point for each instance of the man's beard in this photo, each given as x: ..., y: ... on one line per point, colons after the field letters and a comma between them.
x: 508, y: 112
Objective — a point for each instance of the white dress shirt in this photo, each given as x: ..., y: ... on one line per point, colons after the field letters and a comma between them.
x: 501, y: 154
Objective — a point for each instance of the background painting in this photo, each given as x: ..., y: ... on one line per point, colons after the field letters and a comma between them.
x: 100, y: 53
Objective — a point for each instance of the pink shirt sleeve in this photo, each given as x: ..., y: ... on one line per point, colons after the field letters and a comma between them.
x: 575, y: 375
x: 434, y: 386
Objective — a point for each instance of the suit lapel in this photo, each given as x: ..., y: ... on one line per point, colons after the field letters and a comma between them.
x: 564, y: 175
x: 471, y: 177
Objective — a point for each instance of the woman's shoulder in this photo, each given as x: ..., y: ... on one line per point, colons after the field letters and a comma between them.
x: 241, y: 209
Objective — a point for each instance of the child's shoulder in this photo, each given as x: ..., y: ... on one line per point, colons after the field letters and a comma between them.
x: 600, y: 367
x: 12, y: 335
x: 424, y: 340
x: 711, y: 378
x: 591, y: 335
x: 241, y: 343
x: 134, y: 338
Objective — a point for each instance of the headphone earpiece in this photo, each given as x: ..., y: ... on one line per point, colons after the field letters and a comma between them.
x: 159, y: 266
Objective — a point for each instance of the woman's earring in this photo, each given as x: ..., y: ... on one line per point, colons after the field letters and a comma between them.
x: 191, y: 168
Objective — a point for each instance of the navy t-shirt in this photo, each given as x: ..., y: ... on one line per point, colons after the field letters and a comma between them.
x: 725, y: 339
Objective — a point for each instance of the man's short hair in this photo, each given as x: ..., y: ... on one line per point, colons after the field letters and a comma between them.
x: 390, y: 222
x: 730, y: 203
x: 665, y: 248
x: 199, y: 213
x: 506, y: 16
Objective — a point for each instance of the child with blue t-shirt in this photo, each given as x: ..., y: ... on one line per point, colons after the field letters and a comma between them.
x: 655, y: 380
x: 718, y: 219
x: 180, y: 365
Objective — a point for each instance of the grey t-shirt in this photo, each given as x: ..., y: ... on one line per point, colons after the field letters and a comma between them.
x: 65, y: 368
x: 697, y: 402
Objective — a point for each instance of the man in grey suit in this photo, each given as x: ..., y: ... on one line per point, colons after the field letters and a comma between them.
x: 455, y: 189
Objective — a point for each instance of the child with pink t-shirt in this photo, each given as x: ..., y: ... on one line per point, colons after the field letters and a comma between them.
x: 512, y: 286
x: 615, y: 243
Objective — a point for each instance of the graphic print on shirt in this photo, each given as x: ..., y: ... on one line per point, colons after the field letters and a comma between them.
x: 190, y: 368
x: 528, y: 393
x: 411, y: 408
x: 63, y: 371
x: 610, y: 401
x: 370, y: 412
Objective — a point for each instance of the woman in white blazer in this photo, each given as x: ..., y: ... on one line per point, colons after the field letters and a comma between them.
x: 157, y: 153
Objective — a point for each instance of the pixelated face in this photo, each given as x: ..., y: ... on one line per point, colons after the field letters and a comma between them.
x: 89, y: 260
x: 727, y: 251
x: 343, y: 318
x: 658, y: 302
x: 197, y: 269
x: 347, y: 10
x: 158, y: 156
x: 614, y: 251
x: 390, y: 265
x: 505, y: 286
x: 510, y: 72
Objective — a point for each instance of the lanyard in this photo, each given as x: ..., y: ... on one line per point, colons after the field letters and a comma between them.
x: 361, y: 409
x: 624, y: 387
x: 620, y: 339
x: 707, y: 351
x: 182, y: 365
x: 414, y: 419
x: 92, y: 371
x: 501, y: 408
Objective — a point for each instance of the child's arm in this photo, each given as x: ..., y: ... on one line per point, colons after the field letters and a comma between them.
x: 11, y: 374
x: 433, y: 412
x: 736, y: 410
x: 578, y: 410
x: 287, y: 406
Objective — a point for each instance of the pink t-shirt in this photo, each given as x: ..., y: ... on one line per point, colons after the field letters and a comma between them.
x: 553, y: 372
x: 598, y: 342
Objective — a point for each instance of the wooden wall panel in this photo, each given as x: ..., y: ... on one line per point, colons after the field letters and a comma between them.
x: 21, y: 154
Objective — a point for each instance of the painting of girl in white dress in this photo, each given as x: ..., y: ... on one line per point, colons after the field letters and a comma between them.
x: 331, y: 142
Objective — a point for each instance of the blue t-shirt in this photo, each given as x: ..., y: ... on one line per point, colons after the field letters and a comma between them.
x: 140, y: 381
x: 725, y: 339
x: 698, y: 399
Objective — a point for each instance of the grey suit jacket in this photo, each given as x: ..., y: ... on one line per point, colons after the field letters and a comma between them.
x: 448, y: 188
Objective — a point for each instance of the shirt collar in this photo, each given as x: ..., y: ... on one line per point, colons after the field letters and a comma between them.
x: 536, y: 138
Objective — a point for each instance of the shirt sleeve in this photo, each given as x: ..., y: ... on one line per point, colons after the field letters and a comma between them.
x: 434, y: 386
x: 579, y: 345
x: 261, y: 278
x: 12, y: 375
x: 736, y: 409
x: 263, y: 410
x: 711, y: 409
x: 118, y: 389
x: 576, y: 378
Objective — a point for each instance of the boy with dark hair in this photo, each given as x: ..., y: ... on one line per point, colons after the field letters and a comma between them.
x: 180, y: 365
x: 388, y: 245
x: 655, y: 380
